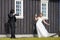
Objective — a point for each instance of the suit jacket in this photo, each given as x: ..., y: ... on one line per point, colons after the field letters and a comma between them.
x: 11, y: 18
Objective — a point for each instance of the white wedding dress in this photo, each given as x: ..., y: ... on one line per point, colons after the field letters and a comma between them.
x: 41, y: 30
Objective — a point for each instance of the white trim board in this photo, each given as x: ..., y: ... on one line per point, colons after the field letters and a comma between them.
x: 21, y: 35
x: 17, y: 35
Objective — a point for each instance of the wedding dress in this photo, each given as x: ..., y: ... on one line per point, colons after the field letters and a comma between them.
x: 41, y: 30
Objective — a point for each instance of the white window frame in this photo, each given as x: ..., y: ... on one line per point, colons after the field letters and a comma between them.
x: 45, y: 2
x: 20, y: 16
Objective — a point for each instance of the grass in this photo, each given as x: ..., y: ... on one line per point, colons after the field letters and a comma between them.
x: 49, y: 38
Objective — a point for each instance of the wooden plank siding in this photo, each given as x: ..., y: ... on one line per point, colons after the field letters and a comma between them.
x: 0, y: 16
x: 59, y: 15
x: 30, y: 7
x: 53, y: 16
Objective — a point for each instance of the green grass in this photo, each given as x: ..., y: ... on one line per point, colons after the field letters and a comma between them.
x: 49, y: 38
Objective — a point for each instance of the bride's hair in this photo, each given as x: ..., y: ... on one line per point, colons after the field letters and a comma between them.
x: 40, y: 14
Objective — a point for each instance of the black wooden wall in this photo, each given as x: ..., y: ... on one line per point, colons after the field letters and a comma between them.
x: 5, y: 6
x: 25, y: 26
x: 54, y: 16
x: 59, y: 15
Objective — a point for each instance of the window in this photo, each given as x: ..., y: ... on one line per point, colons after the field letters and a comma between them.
x: 44, y: 8
x: 19, y: 9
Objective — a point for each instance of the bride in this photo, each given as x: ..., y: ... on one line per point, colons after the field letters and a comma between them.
x: 41, y: 30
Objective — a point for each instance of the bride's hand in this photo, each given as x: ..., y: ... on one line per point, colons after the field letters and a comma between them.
x: 48, y: 24
x: 14, y: 14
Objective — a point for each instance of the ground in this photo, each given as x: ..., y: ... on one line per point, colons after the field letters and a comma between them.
x: 49, y: 38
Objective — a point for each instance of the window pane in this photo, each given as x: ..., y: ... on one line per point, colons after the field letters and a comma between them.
x: 43, y: 4
x: 43, y: 9
x: 17, y: 9
x: 20, y: 9
x: 20, y: 6
x: 17, y: 6
x: 18, y: 2
x: 17, y: 12
x: 44, y: 13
